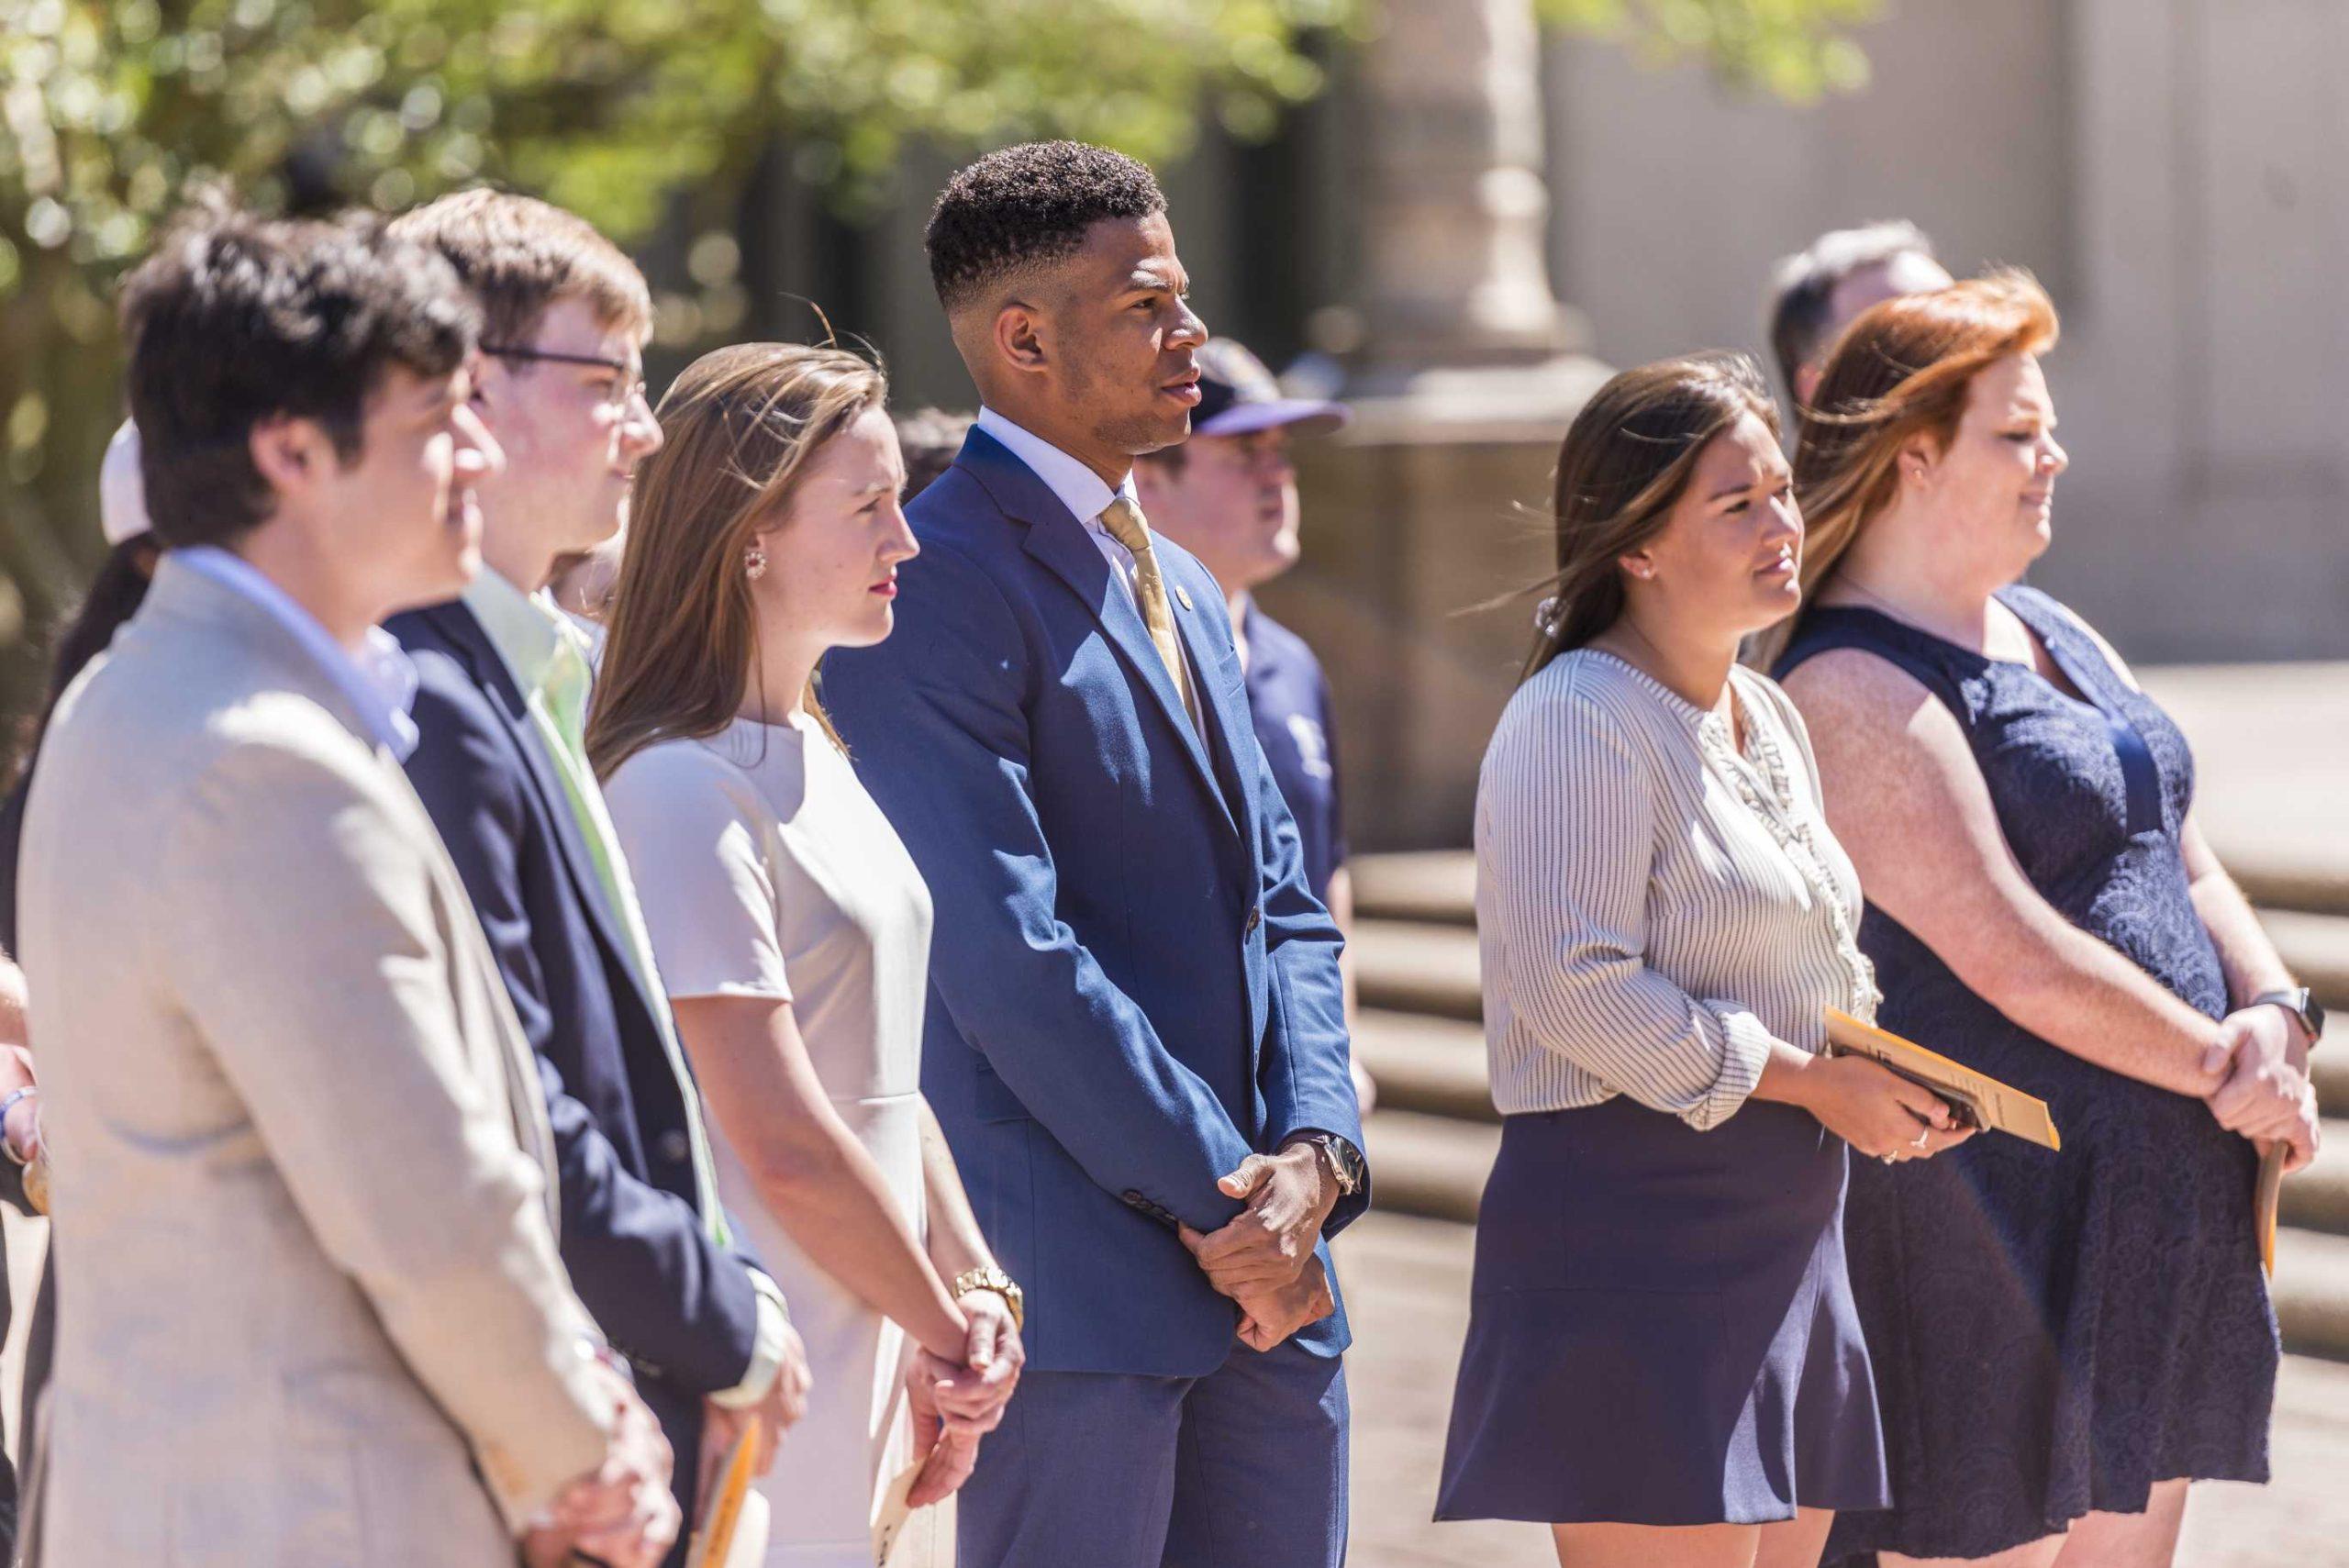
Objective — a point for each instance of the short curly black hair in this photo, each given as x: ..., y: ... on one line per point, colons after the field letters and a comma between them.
x: 1026, y: 204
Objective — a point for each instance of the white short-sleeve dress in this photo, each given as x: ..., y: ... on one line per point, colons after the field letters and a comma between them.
x: 765, y: 870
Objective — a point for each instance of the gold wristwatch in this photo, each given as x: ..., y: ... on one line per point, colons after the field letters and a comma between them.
x: 1003, y: 1285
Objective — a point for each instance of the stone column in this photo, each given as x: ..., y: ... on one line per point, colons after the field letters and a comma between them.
x: 1435, y: 501
x: 1453, y: 240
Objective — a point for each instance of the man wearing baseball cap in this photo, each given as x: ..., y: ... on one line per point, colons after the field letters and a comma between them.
x: 1228, y: 496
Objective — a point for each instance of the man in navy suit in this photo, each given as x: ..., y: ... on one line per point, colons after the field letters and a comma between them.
x: 1136, y: 1041
x: 502, y: 767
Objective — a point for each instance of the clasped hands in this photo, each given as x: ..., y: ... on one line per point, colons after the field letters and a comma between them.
x: 955, y: 1405
x: 2264, y: 1093
x: 622, y: 1513
x: 1263, y: 1260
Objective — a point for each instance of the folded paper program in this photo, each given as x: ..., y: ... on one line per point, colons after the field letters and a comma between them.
x: 1983, y: 1102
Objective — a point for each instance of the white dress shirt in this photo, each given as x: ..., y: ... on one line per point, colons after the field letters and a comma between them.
x: 379, y: 684
x: 1082, y: 491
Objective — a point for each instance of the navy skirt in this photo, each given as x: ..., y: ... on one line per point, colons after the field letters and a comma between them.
x: 1663, y: 1331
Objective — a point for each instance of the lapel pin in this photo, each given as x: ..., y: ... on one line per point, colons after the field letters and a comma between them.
x: 1183, y: 594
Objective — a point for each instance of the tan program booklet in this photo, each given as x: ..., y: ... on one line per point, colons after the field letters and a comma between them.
x: 733, y: 1534
x: 2268, y: 1200
x: 1983, y: 1101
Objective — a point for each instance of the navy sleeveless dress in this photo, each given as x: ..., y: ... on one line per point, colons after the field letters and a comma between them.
x: 2055, y: 1333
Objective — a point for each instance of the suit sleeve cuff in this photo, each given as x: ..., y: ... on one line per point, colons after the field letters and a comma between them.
x: 766, y: 1350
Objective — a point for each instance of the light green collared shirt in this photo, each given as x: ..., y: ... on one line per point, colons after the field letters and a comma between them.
x: 550, y: 660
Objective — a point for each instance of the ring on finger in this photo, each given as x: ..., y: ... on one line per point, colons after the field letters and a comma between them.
x: 1922, y: 1134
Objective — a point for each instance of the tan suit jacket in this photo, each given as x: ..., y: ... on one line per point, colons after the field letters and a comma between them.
x: 311, y: 1311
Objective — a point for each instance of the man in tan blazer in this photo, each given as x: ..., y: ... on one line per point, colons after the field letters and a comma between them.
x: 311, y: 1311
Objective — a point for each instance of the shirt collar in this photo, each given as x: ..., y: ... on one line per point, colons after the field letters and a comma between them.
x: 524, y: 629
x: 379, y: 683
x: 1080, y: 489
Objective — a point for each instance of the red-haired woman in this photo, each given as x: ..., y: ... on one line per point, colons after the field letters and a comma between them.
x: 2062, y: 1341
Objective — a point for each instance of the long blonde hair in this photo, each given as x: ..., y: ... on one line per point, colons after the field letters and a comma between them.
x: 1901, y: 371
x: 739, y: 425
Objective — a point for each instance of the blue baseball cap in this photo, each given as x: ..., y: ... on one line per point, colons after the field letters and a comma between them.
x: 1238, y: 397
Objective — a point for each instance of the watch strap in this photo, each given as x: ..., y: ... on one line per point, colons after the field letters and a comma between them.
x: 1339, y: 1157
x: 2299, y: 1002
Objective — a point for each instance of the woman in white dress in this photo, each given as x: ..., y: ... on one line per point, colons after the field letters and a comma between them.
x: 792, y: 930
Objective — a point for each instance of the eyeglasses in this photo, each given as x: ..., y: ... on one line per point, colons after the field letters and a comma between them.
x: 625, y: 390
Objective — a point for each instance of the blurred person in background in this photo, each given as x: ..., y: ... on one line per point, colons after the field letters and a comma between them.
x: 582, y: 588
x: 1817, y: 292
x: 316, y: 1309
x: 114, y: 596
x: 2064, y: 1341
x: 1228, y: 496
x: 929, y: 438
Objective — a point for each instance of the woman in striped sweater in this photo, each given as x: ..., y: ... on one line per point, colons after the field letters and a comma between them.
x: 1664, y: 1361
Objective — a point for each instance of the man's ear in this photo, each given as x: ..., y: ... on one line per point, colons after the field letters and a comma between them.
x: 1018, y: 336
x: 291, y: 453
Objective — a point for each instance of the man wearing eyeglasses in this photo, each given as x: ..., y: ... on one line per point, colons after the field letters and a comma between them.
x: 502, y: 767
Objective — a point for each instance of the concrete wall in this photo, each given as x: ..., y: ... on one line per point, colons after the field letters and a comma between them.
x: 2172, y: 169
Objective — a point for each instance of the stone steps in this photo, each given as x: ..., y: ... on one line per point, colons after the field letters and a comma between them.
x: 1431, y: 1066
x: 2315, y: 947
x: 1410, y: 966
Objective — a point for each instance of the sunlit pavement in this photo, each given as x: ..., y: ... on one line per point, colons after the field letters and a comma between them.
x: 1406, y: 1291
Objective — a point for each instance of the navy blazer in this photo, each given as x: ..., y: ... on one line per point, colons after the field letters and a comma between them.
x: 680, y: 1307
x: 1132, y: 988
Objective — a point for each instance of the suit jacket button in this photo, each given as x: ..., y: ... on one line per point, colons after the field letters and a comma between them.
x: 676, y: 1147
x: 1256, y: 919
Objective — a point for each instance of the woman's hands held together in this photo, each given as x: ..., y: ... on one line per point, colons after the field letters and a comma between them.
x: 1872, y: 1108
x: 2264, y: 1092
x: 954, y: 1405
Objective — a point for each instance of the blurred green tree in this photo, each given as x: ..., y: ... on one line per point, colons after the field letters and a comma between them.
x: 111, y: 110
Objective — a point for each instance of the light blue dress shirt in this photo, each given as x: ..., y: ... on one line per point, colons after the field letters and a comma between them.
x: 379, y: 684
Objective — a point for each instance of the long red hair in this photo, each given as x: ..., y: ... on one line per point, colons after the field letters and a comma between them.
x: 1901, y: 371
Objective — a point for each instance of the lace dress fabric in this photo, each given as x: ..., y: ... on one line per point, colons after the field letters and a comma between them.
x: 2053, y: 1333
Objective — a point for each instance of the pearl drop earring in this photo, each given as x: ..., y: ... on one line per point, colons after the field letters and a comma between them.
x: 754, y: 562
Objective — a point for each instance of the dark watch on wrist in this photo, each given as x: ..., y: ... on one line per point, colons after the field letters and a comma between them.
x: 2300, y: 1004
x: 1339, y: 1157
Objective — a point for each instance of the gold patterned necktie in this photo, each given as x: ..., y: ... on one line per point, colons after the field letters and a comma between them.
x: 1129, y: 528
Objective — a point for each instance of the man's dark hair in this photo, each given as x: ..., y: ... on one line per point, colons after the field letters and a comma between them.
x: 236, y: 320
x: 1802, y: 286
x: 1025, y: 206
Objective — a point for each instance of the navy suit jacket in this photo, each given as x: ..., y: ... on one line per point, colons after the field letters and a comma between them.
x: 679, y: 1307
x: 1132, y: 988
